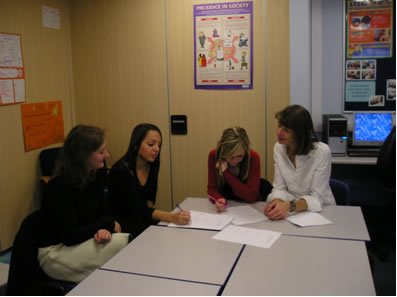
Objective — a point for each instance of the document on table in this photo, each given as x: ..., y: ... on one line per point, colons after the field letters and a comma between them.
x: 308, y: 218
x: 202, y: 220
x: 256, y: 237
x: 245, y: 215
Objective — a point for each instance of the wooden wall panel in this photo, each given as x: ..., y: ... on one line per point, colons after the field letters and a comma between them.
x: 209, y: 112
x: 277, y: 70
x: 111, y: 69
x: 46, y: 54
x: 119, y: 67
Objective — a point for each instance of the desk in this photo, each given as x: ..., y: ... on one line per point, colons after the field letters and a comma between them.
x: 354, y: 160
x: 109, y: 283
x: 177, y: 261
x: 347, y: 221
x: 182, y: 254
x: 303, y: 266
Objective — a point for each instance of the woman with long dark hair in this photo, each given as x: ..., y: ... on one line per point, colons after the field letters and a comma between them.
x: 133, y: 183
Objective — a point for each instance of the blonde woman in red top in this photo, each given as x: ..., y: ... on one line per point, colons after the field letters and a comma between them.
x: 234, y: 171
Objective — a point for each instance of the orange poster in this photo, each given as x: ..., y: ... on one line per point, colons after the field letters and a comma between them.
x: 42, y: 124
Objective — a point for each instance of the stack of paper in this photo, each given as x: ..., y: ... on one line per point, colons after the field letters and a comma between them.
x: 245, y: 215
x: 202, y: 220
x: 308, y: 218
x: 256, y: 237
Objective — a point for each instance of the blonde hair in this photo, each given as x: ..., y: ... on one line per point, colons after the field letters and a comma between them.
x: 233, y: 139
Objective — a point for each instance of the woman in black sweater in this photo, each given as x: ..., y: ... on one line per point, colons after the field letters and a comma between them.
x: 83, y: 235
x: 133, y: 183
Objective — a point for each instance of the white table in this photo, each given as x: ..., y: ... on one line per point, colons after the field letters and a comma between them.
x: 177, y: 261
x: 181, y: 254
x: 303, y: 266
x: 109, y: 283
x: 347, y: 221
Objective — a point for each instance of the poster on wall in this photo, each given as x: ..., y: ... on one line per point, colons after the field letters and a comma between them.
x: 370, y: 55
x: 223, y: 45
x: 42, y: 124
x: 12, y: 74
x: 370, y: 29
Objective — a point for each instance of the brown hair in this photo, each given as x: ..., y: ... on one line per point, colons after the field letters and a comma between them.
x: 80, y: 143
x: 299, y: 120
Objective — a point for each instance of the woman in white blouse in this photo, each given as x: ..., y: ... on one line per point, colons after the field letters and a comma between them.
x: 302, y: 166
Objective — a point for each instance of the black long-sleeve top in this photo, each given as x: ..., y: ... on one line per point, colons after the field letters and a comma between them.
x: 74, y: 215
x: 128, y: 198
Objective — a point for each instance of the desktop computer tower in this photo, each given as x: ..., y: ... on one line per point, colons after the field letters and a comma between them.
x: 335, y: 133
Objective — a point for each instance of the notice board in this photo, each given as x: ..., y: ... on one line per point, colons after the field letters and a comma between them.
x: 370, y: 56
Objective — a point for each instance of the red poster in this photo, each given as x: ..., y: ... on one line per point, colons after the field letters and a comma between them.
x: 369, y: 29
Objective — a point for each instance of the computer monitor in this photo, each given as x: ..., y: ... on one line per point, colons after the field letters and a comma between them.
x: 371, y: 128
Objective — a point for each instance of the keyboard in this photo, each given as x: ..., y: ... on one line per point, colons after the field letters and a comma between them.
x: 357, y: 152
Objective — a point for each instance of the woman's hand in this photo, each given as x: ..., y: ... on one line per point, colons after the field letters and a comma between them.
x: 222, y: 165
x: 277, y: 210
x: 181, y: 218
x: 102, y: 236
x: 117, y: 227
x: 220, y: 204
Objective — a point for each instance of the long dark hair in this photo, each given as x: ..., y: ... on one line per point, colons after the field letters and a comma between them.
x: 79, y: 144
x: 299, y: 120
x: 138, y: 135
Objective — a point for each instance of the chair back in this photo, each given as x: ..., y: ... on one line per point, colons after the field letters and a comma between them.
x: 25, y: 275
x: 341, y: 191
x: 386, y: 163
x: 48, y: 158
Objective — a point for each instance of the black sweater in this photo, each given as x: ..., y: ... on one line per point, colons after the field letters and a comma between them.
x: 74, y: 215
x: 128, y: 199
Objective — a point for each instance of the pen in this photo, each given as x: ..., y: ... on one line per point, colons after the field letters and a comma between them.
x: 213, y: 199
x: 180, y: 208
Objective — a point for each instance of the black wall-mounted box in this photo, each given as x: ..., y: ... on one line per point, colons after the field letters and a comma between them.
x: 179, y: 124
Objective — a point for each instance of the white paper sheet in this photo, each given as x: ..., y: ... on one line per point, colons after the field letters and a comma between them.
x: 308, y: 218
x: 255, y: 237
x: 245, y: 215
x: 202, y: 220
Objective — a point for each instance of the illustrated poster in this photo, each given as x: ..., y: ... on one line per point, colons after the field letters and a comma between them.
x: 223, y: 45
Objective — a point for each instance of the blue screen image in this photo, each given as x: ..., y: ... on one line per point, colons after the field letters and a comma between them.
x: 372, y: 126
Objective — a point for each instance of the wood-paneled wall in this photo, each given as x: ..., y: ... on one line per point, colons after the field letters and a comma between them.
x: 277, y: 71
x: 46, y: 54
x: 119, y: 69
x: 124, y: 62
x: 209, y: 112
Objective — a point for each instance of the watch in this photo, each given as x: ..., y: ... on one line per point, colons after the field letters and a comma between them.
x: 293, y: 206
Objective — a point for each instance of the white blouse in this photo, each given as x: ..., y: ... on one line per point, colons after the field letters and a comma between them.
x: 309, y: 180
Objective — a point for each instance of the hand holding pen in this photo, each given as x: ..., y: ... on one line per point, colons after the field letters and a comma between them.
x: 182, y: 217
x: 220, y: 203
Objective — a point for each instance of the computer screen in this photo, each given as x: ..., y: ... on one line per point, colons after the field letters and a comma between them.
x: 371, y: 128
